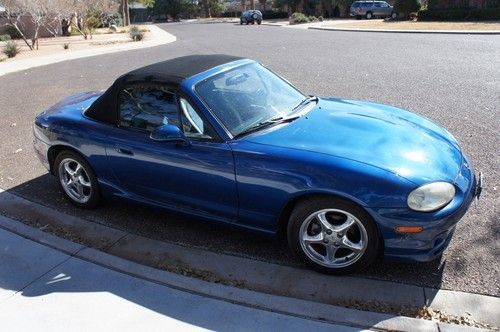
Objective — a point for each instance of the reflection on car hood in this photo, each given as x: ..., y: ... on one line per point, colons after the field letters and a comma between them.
x: 386, y: 137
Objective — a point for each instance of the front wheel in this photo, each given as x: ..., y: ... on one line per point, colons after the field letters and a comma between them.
x: 333, y: 235
x: 394, y: 15
x: 369, y: 15
x: 77, y: 179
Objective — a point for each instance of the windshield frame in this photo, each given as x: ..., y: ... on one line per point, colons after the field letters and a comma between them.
x: 231, y: 136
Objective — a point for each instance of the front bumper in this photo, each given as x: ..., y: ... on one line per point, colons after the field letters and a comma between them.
x: 41, y: 147
x: 438, y: 226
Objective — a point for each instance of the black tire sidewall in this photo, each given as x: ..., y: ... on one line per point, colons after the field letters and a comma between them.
x: 95, y: 197
x: 309, y: 206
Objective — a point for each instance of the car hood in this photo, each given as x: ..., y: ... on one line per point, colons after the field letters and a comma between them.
x: 379, y: 135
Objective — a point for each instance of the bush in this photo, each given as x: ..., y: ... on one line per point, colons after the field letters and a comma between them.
x: 135, y: 33
x: 5, y: 37
x: 405, y: 7
x: 298, y: 18
x: 461, y: 14
x: 66, y: 46
x: 12, y: 32
x: 11, y: 49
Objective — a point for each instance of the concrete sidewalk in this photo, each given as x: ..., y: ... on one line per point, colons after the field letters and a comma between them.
x: 43, y: 289
x: 158, y: 37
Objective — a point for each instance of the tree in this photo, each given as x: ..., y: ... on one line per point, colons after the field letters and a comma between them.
x: 406, y: 7
x: 40, y: 13
x: 174, y: 8
x: 263, y: 4
x: 89, y: 14
x: 216, y: 7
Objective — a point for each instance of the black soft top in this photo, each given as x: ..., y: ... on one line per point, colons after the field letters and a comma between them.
x: 170, y: 72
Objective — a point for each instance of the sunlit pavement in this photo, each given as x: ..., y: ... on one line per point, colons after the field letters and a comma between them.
x: 43, y: 289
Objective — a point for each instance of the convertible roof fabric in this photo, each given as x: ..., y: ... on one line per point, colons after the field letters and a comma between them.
x: 170, y: 72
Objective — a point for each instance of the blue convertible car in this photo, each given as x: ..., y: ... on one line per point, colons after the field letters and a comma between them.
x: 223, y: 138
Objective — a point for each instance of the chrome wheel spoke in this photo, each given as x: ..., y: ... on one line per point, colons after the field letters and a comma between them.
x: 318, y: 238
x: 330, y: 253
x: 68, y: 169
x: 325, y: 225
x: 84, y: 182
x: 348, y: 244
x: 79, y: 189
x: 348, y: 223
x: 78, y: 170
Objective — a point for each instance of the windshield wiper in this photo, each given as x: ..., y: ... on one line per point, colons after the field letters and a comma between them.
x: 267, y: 123
x: 304, y: 102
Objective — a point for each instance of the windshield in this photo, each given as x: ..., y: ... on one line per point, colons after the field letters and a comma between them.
x: 247, y: 95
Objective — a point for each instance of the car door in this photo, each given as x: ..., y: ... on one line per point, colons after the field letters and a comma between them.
x: 196, y: 178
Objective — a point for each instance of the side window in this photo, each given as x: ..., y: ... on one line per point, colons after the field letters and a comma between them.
x: 145, y: 107
x: 192, y: 123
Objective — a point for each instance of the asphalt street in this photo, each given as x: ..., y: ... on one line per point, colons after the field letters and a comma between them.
x: 452, y: 79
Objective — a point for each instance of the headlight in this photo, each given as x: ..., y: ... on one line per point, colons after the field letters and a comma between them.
x: 431, y: 196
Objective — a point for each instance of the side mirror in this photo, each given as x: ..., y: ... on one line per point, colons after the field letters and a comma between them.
x: 169, y: 133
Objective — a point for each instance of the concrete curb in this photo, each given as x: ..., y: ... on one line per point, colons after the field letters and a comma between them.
x: 258, y: 276
x: 158, y: 37
x: 448, y: 32
x: 279, y: 304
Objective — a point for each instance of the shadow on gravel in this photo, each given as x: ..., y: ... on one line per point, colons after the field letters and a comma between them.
x: 170, y: 227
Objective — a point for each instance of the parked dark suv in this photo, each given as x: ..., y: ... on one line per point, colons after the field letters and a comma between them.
x: 371, y: 9
x: 251, y: 16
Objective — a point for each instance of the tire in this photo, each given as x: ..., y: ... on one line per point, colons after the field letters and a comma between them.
x: 369, y: 15
x: 81, y: 187
x: 394, y: 15
x: 346, y: 242
x: 241, y: 22
x: 244, y: 20
x: 259, y: 22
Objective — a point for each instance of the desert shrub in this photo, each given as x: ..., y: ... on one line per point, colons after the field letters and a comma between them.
x: 11, y: 49
x: 66, y: 46
x: 12, y: 32
x: 298, y: 18
x: 405, y: 7
x: 5, y: 37
x: 462, y: 14
x: 320, y: 18
x: 135, y: 33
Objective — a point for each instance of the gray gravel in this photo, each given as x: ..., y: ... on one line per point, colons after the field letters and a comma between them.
x: 451, y: 79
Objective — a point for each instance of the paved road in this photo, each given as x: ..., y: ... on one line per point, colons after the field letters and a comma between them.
x: 453, y: 80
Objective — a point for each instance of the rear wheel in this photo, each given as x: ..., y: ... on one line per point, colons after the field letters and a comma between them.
x: 394, y: 15
x: 77, y: 179
x: 333, y: 235
x: 369, y: 15
x: 259, y: 22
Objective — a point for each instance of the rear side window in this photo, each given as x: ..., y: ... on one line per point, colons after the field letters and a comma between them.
x: 146, y: 107
x: 368, y: 4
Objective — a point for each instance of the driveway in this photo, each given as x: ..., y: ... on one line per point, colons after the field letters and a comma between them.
x: 451, y: 79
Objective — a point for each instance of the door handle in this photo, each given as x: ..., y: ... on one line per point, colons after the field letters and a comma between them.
x: 124, y: 151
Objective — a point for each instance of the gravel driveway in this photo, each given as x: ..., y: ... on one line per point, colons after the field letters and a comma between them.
x: 451, y: 79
